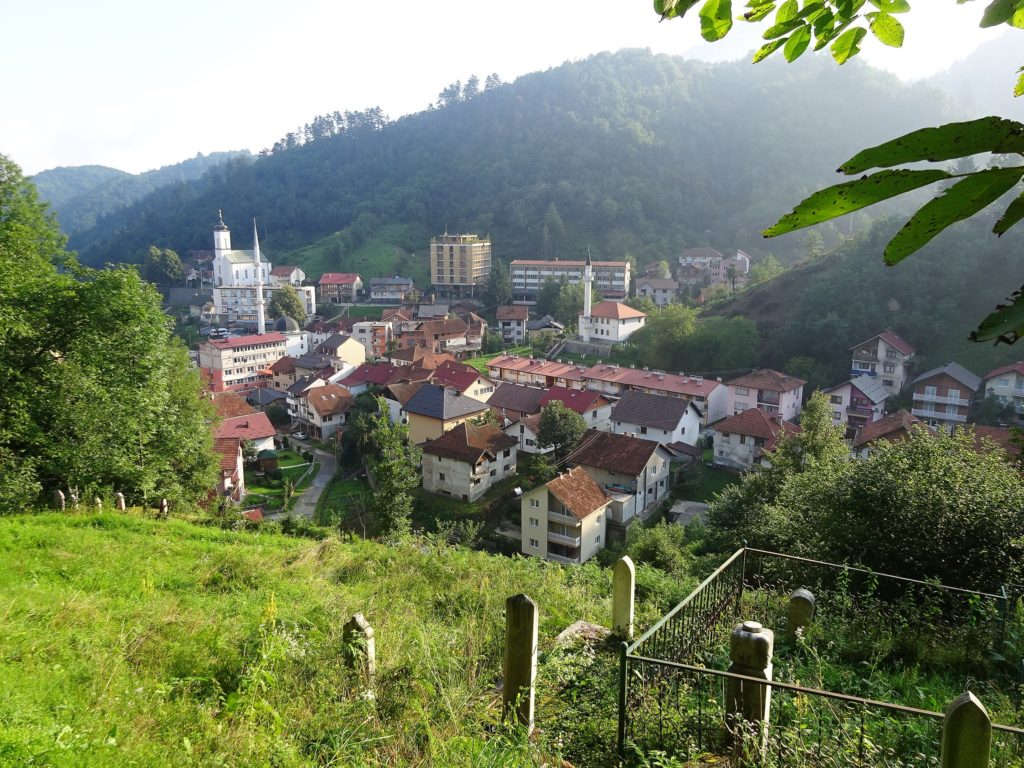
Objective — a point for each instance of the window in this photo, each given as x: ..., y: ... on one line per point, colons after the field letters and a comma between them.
x: 534, y: 543
x: 930, y: 391
x: 953, y: 394
x: 593, y: 414
x: 837, y: 415
x: 661, y: 484
x: 743, y: 439
x: 507, y: 452
x: 1004, y: 382
x: 742, y: 391
x: 888, y: 383
x: 597, y: 539
x: 836, y: 399
x: 643, y: 430
x: 889, y: 368
x: 534, y: 522
x: 535, y: 503
x: 739, y: 406
x: 440, y: 476
x: 598, y: 518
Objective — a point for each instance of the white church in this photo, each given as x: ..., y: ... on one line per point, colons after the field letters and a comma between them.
x: 243, y: 281
x: 608, y: 322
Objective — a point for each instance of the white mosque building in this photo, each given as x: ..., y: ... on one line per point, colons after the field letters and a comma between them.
x: 608, y: 322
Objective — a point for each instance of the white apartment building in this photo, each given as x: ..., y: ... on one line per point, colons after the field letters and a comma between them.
x: 240, y: 363
x: 528, y: 275
x: 1006, y: 384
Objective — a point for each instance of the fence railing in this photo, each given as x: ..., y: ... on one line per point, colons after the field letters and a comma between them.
x: 672, y: 699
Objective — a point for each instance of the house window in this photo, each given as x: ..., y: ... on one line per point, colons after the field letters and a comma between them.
x: 931, y: 391
x: 643, y: 430
x: 441, y: 476
x: 507, y: 452
x: 837, y: 415
x: 599, y: 519
x: 888, y: 383
x: 953, y: 394
x: 739, y: 406
x: 597, y: 539
x: 743, y: 439
x: 534, y: 522
x: 836, y: 399
x: 535, y: 503
x: 742, y: 391
x: 534, y: 543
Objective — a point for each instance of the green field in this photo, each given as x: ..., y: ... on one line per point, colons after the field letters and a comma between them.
x: 480, y: 363
x: 336, y: 496
x: 376, y: 257
x: 709, y: 482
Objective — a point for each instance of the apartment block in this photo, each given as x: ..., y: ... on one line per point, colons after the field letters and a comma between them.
x: 459, y: 264
x: 529, y: 275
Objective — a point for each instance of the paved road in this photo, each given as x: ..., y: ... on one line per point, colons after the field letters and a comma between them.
x: 305, y: 506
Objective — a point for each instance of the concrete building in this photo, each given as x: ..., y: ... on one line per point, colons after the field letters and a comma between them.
x: 525, y: 430
x: 514, y: 401
x: 610, y: 321
x: 321, y: 411
x: 594, y: 407
x: 528, y: 275
x: 857, y: 402
x: 467, y: 460
x: 390, y: 290
x: 339, y: 287
x: 886, y: 357
x: 669, y: 420
x: 767, y: 390
x: 565, y: 520
x: 375, y: 336
x: 1006, y: 384
x: 744, y: 440
x: 240, y: 363
x: 660, y: 290
x: 943, y: 395
x: 895, y: 426
x: 512, y: 321
x: 714, y: 268
x: 459, y: 264
x: 342, y: 350
x: 434, y: 410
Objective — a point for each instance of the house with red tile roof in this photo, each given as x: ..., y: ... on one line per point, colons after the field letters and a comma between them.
x: 526, y: 431
x: 895, y: 426
x: 1006, y: 384
x: 287, y: 274
x: 230, y: 404
x: 767, y: 390
x: 535, y: 373
x: 514, y: 401
x: 565, y: 520
x: 512, y: 321
x: 887, y: 357
x: 419, y: 357
x: 254, y: 427
x: 322, y: 411
x: 467, y: 460
x: 465, y: 379
x: 611, y: 322
x: 746, y: 439
x: 594, y: 407
x: 339, y: 287
x: 710, y: 395
x: 231, y: 472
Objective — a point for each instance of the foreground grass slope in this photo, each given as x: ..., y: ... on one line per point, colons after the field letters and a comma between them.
x: 133, y: 642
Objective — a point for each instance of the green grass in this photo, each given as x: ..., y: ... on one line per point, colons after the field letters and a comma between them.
x: 709, y: 483
x: 336, y: 495
x: 376, y: 257
x: 480, y: 363
x: 256, y: 485
x: 189, y: 645
x: 289, y: 458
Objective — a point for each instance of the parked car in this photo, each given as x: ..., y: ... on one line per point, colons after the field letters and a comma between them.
x: 299, y: 435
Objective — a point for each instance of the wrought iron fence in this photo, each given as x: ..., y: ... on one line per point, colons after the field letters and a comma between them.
x: 671, y: 699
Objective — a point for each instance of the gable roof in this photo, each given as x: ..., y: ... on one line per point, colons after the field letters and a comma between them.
x: 242, y: 257
x: 338, y: 278
x: 870, y: 386
x: 229, y: 449
x: 396, y: 313
x: 890, y: 427
x: 692, y: 386
x: 766, y: 378
x: 579, y: 400
x: 263, y: 396
x: 893, y: 339
x: 457, y: 375
x: 312, y: 361
x: 402, y: 391
x: 658, y: 283
x: 615, y: 310
x: 443, y: 403
x: 431, y: 310
x: 702, y: 253
x: 954, y: 370
x: 548, y: 368
x: 230, y: 404
x: 284, y: 270
x: 443, y: 326
x: 1001, y: 436
x: 470, y: 442
x: 254, y: 426
x: 421, y: 357
x: 512, y: 312
x: 1011, y: 368
x: 653, y: 411
x: 284, y: 364
x: 754, y: 422
x: 329, y: 399
x: 372, y: 373
x: 614, y: 453
x: 397, y: 281
x: 578, y: 492
x: 516, y: 397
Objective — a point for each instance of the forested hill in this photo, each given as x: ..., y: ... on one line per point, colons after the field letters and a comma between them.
x: 622, y: 153
x: 82, y: 194
x: 811, y: 316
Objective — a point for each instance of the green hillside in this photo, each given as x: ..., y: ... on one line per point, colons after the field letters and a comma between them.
x: 133, y: 642
x: 375, y: 257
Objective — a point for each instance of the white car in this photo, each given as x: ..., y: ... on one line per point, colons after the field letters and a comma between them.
x: 299, y: 435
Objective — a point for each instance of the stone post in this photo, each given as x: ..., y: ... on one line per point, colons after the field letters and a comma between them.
x: 73, y: 495
x: 98, y: 503
x: 799, y: 613
x: 119, y: 501
x: 360, y: 647
x: 623, y: 589
x: 747, y: 705
x: 520, y: 666
x: 966, y: 734
x: 58, y: 500
x: 164, y: 508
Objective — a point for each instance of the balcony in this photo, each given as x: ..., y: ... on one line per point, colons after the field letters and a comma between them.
x: 569, y: 541
x: 859, y: 410
x: 869, y: 355
x: 940, y: 399
x: 563, y: 560
x: 923, y: 414
x: 558, y: 517
x: 767, y: 397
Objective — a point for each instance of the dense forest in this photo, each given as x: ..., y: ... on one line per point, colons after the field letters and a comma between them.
x: 622, y: 153
x: 82, y: 194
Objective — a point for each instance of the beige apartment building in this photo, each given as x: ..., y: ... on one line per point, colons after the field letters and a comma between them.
x: 459, y: 264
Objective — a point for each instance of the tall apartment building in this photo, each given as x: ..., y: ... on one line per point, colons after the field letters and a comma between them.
x: 528, y: 275
x: 240, y: 363
x: 459, y: 264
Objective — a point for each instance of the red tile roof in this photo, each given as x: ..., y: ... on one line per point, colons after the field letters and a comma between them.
x: 338, y: 278
x: 513, y: 312
x: 756, y: 423
x: 547, y: 368
x: 422, y: 358
x: 893, y: 339
x: 615, y: 310
x: 248, y: 341
x: 285, y: 364
x: 614, y: 453
x: 579, y: 400
x: 1012, y: 368
x: 766, y: 378
x: 676, y: 383
x: 379, y: 373
x: 255, y: 426
x: 578, y: 492
x: 284, y: 270
x: 469, y: 442
x: 1001, y: 436
x: 566, y: 263
x: 329, y: 399
x: 227, y: 448
x: 231, y: 404
x: 456, y: 375
x: 892, y: 427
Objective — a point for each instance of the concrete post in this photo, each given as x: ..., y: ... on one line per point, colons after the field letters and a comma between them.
x: 747, y: 705
x: 360, y: 647
x: 623, y: 590
x: 799, y: 613
x: 520, y: 666
x: 119, y: 501
x: 966, y: 734
x: 58, y: 500
x: 164, y: 508
x: 73, y: 495
x: 98, y: 503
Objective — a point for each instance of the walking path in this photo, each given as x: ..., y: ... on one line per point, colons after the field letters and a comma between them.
x: 305, y: 505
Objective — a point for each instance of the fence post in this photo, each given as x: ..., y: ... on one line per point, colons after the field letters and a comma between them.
x: 966, y: 734
x: 623, y: 683
x: 360, y: 647
x: 520, y: 659
x: 623, y: 589
x: 799, y: 613
x: 750, y: 650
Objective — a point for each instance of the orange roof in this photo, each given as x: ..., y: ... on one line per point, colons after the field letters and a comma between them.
x: 660, y: 381
x: 230, y: 404
x: 892, y: 427
x: 615, y: 310
x: 754, y: 422
x: 578, y: 492
x: 469, y: 442
x: 1001, y: 436
x: 227, y: 447
x: 548, y: 368
x: 254, y: 426
x: 329, y: 399
x: 513, y: 312
x: 248, y: 341
x: 766, y: 378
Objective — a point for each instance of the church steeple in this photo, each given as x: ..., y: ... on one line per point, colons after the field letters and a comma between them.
x: 261, y: 320
x: 221, y: 236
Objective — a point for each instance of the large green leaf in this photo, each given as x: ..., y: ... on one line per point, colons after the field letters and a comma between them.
x: 669, y: 9
x: 768, y: 49
x: 1006, y: 324
x: 797, y: 43
x: 999, y: 12
x: 758, y: 13
x: 715, y: 19
x: 891, y: 6
x: 787, y: 11
x: 887, y: 29
x: 961, y: 201
x: 847, y: 44
x: 1018, y: 89
x: 987, y: 134
x: 1014, y: 212
x: 778, y: 30
x: 852, y: 196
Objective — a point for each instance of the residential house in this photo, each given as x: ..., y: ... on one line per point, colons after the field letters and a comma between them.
x: 943, y: 395
x: 565, y: 520
x: 231, y: 474
x: 465, y: 379
x: 742, y: 441
x: 632, y: 471
x: 419, y: 357
x: 321, y: 411
x: 528, y: 275
x: 297, y: 391
x: 375, y: 336
x: 1006, y: 384
x: 594, y: 407
x: 669, y: 420
x: 314, y: 364
x: 445, y: 335
x: 546, y: 323
x: 467, y: 460
x: 240, y: 363
x: 390, y: 290
x: 254, y: 427
x: 660, y: 290
x: 857, y: 402
x: 512, y: 321
x: 476, y: 330
x: 431, y: 311
x: 263, y: 397
x: 396, y: 395
x: 1000, y: 438
x: 767, y: 390
x: 885, y: 356
x: 287, y: 275
x: 370, y: 375
x: 526, y: 431
x: 342, y: 350
x: 283, y: 373
x: 714, y: 267
x: 611, y: 322
x: 711, y: 396
x: 514, y: 401
x: 535, y: 373
x: 340, y: 287
x: 895, y: 426
x: 434, y: 410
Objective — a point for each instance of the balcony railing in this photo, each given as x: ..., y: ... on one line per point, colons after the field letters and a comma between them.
x: 569, y: 541
x: 565, y: 560
x: 859, y: 410
x: 922, y: 413
x: 940, y: 399
x: 558, y: 517
x: 868, y: 355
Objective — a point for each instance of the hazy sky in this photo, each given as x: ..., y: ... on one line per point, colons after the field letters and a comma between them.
x: 137, y: 85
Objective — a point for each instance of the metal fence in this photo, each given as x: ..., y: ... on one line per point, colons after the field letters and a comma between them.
x: 672, y: 698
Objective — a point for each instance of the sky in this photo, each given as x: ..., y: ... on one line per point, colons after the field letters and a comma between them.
x: 138, y: 85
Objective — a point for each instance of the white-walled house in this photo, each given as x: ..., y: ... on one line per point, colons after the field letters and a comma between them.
x: 1006, y: 384
x: 321, y: 411
x: 767, y: 390
x: 525, y: 430
x: 467, y: 460
x: 594, y: 407
x: 656, y: 417
x: 611, y: 321
x: 857, y: 402
x: 512, y: 321
x: 741, y: 441
x: 886, y: 357
x: 565, y: 520
x: 661, y: 290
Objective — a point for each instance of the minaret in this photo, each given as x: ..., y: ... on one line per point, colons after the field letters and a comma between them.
x: 588, y: 280
x: 261, y: 320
